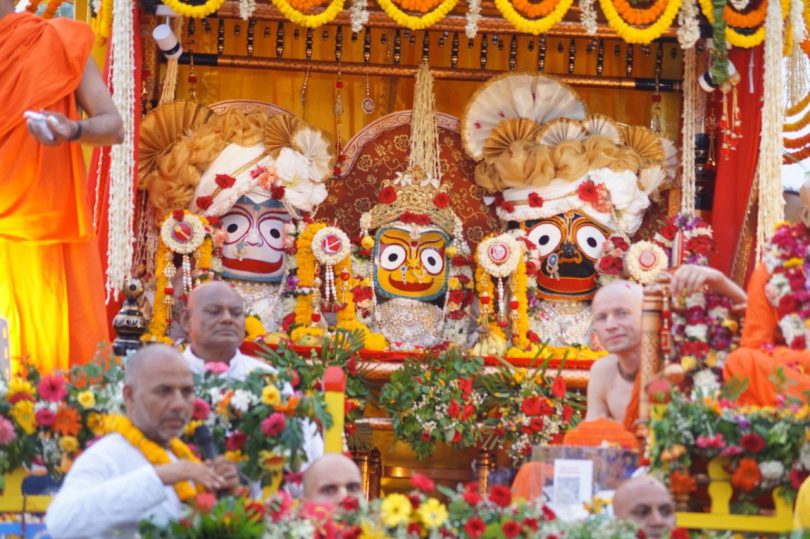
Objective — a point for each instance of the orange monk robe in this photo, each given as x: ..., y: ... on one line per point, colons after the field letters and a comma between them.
x: 757, y: 360
x: 51, y: 286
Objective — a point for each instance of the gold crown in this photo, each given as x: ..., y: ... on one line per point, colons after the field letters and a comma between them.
x: 411, y: 195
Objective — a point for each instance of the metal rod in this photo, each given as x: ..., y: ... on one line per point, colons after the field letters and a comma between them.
x: 451, y: 23
x: 351, y: 68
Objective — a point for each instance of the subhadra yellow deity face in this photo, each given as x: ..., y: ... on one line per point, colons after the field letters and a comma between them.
x: 410, y: 267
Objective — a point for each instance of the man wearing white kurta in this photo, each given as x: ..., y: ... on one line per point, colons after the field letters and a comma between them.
x: 215, y: 324
x: 112, y: 486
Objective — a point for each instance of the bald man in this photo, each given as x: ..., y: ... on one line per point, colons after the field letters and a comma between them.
x: 646, y: 502
x: 332, y: 478
x: 113, y: 486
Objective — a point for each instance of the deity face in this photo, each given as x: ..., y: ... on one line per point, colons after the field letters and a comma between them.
x: 569, y: 245
x: 254, y: 249
x: 410, y: 267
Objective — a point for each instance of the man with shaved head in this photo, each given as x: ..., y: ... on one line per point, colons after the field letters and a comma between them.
x: 130, y: 474
x: 332, y: 478
x: 646, y: 502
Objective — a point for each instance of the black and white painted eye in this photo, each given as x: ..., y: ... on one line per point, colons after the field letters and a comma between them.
x: 546, y: 237
x: 272, y: 231
x: 590, y: 240
x: 392, y: 257
x: 237, y: 225
x: 433, y: 261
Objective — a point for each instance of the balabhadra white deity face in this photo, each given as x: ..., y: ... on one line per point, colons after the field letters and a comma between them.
x: 254, y: 248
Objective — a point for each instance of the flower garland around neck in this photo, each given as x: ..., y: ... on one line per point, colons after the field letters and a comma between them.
x: 310, y: 21
x: 533, y: 26
x: 194, y: 11
x: 788, y: 262
x: 165, y: 269
x: 631, y: 33
x: 307, y: 291
x: 417, y: 23
x: 156, y: 455
x: 486, y: 293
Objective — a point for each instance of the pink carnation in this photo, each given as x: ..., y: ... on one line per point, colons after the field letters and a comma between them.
x: 201, y: 410
x: 45, y: 417
x: 274, y: 424
x: 7, y: 434
x: 216, y: 367
x: 52, y: 387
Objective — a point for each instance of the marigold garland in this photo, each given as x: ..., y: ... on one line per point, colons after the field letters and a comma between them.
x: 630, y: 33
x: 752, y: 19
x: 637, y: 16
x: 745, y: 41
x: 306, y: 5
x: 797, y: 143
x: 155, y: 454
x: 521, y: 281
x: 486, y: 288
x: 416, y: 23
x: 534, y: 10
x: 306, y: 274
x: 793, y: 158
x: 798, y: 107
x: 310, y: 21
x: 422, y: 6
x: 195, y: 12
x: 537, y: 26
x: 799, y: 124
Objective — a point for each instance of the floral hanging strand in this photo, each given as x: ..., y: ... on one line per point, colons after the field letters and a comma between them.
x: 473, y: 14
x: 310, y: 21
x: 631, y: 33
x: 533, y: 26
x: 688, y: 185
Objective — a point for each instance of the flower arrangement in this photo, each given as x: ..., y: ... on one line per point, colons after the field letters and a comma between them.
x: 529, y: 407
x: 433, y: 400
x: 236, y: 411
x: 208, y: 517
x: 306, y: 373
x: 763, y: 447
x: 788, y: 261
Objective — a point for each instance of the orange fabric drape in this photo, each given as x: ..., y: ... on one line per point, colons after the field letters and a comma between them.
x: 757, y: 360
x: 50, y: 277
x: 631, y: 415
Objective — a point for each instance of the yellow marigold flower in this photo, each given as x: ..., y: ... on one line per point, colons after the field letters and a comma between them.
x: 234, y: 456
x: 370, y: 531
x: 367, y: 242
x: 794, y: 262
x: 731, y: 325
x: 711, y: 359
x: 95, y: 422
x: 518, y: 375
x: 395, y: 510
x: 688, y: 363
x: 432, y: 513
x: 451, y: 251
x: 254, y: 328
x: 191, y: 427
x: 68, y: 444
x: 86, y: 399
x: 271, y: 396
x: 23, y: 413
x: 19, y: 385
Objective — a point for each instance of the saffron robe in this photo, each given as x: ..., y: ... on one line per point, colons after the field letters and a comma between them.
x: 757, y: 359
x: 51, y: 284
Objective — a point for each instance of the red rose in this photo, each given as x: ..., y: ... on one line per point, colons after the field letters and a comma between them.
x: 611, y: 265
x: 797, y: 477
x: 204, y: 202
x: 463, y: 279
x: 475, y: 527
x: 178, y: 215
x: 508, y: 206
x: 457, y: 296
x: 510, y: 529
x: 535, y: 200
x: 277, y: 192
x: 641, y: 535
x: 456, y: 438
x: 201, y: 410
x: 414, y: 529
x: 467, y: 411
x: 423, y: 483
x: 471, y: 497
x: 669, y: 231
x: 441, y: 200
x: 214, y: 221
x: 459, y: 261
x: 536, y: 424
x: 548, y: 514
x: 466, y: 386
x: 531, y: 523
x: 423, y: 219
x: 425, y: 437
x: 619, y: 243
x: 293, y: 377
x: 205, y: 501
x: 533, y: 337
x: 351, y: 366
x: 531, y: 406
x: 701, y: 245
x: 224, y: 181
x: 453, y: 409
x: 349, y: 503
x: 500, y: 495
x: 388, y: 195
x: 587, y: 192
x: 558, y: 387
x: 679, y: 533
x: 235, y: 441
x: 752, y: 442
x: 456, y: 315
x: 567, y: 413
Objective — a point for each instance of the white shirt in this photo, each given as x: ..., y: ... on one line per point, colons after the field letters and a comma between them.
x: 240, y: 366
x: 109, y: 489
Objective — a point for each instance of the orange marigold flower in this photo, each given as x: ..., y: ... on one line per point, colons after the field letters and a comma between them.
x: 681, y: 482
x: 67, y: 422
x: 747, y: 475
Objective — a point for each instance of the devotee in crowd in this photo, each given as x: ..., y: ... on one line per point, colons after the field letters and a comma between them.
x: 49, y: 259
x: 765, y: 362
x: 646, y: 502
x: 132, y: 474
x: 332, y: 478
x: 616, y: 311
x: 214, y: 321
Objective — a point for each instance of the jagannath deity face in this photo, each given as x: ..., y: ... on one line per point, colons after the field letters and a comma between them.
x: 254, y: 248
x: 568, y: 247
x: 410, y: 265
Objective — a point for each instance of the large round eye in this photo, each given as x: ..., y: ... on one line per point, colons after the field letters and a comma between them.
x: 433, y: 261
x: 392, y: 257
x: 236, y: 225
x: 272, y: 230
x: 590, y: 240
x: 546, y: 237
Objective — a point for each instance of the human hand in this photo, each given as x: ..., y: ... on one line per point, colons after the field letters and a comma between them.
x: 51, y: 128
x: 185, y: 470
x: 689, y: 279
x: 227, y: 470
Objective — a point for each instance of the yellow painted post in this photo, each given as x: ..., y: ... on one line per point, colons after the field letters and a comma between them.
x: 334, y: 387
x: 11, y: 498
